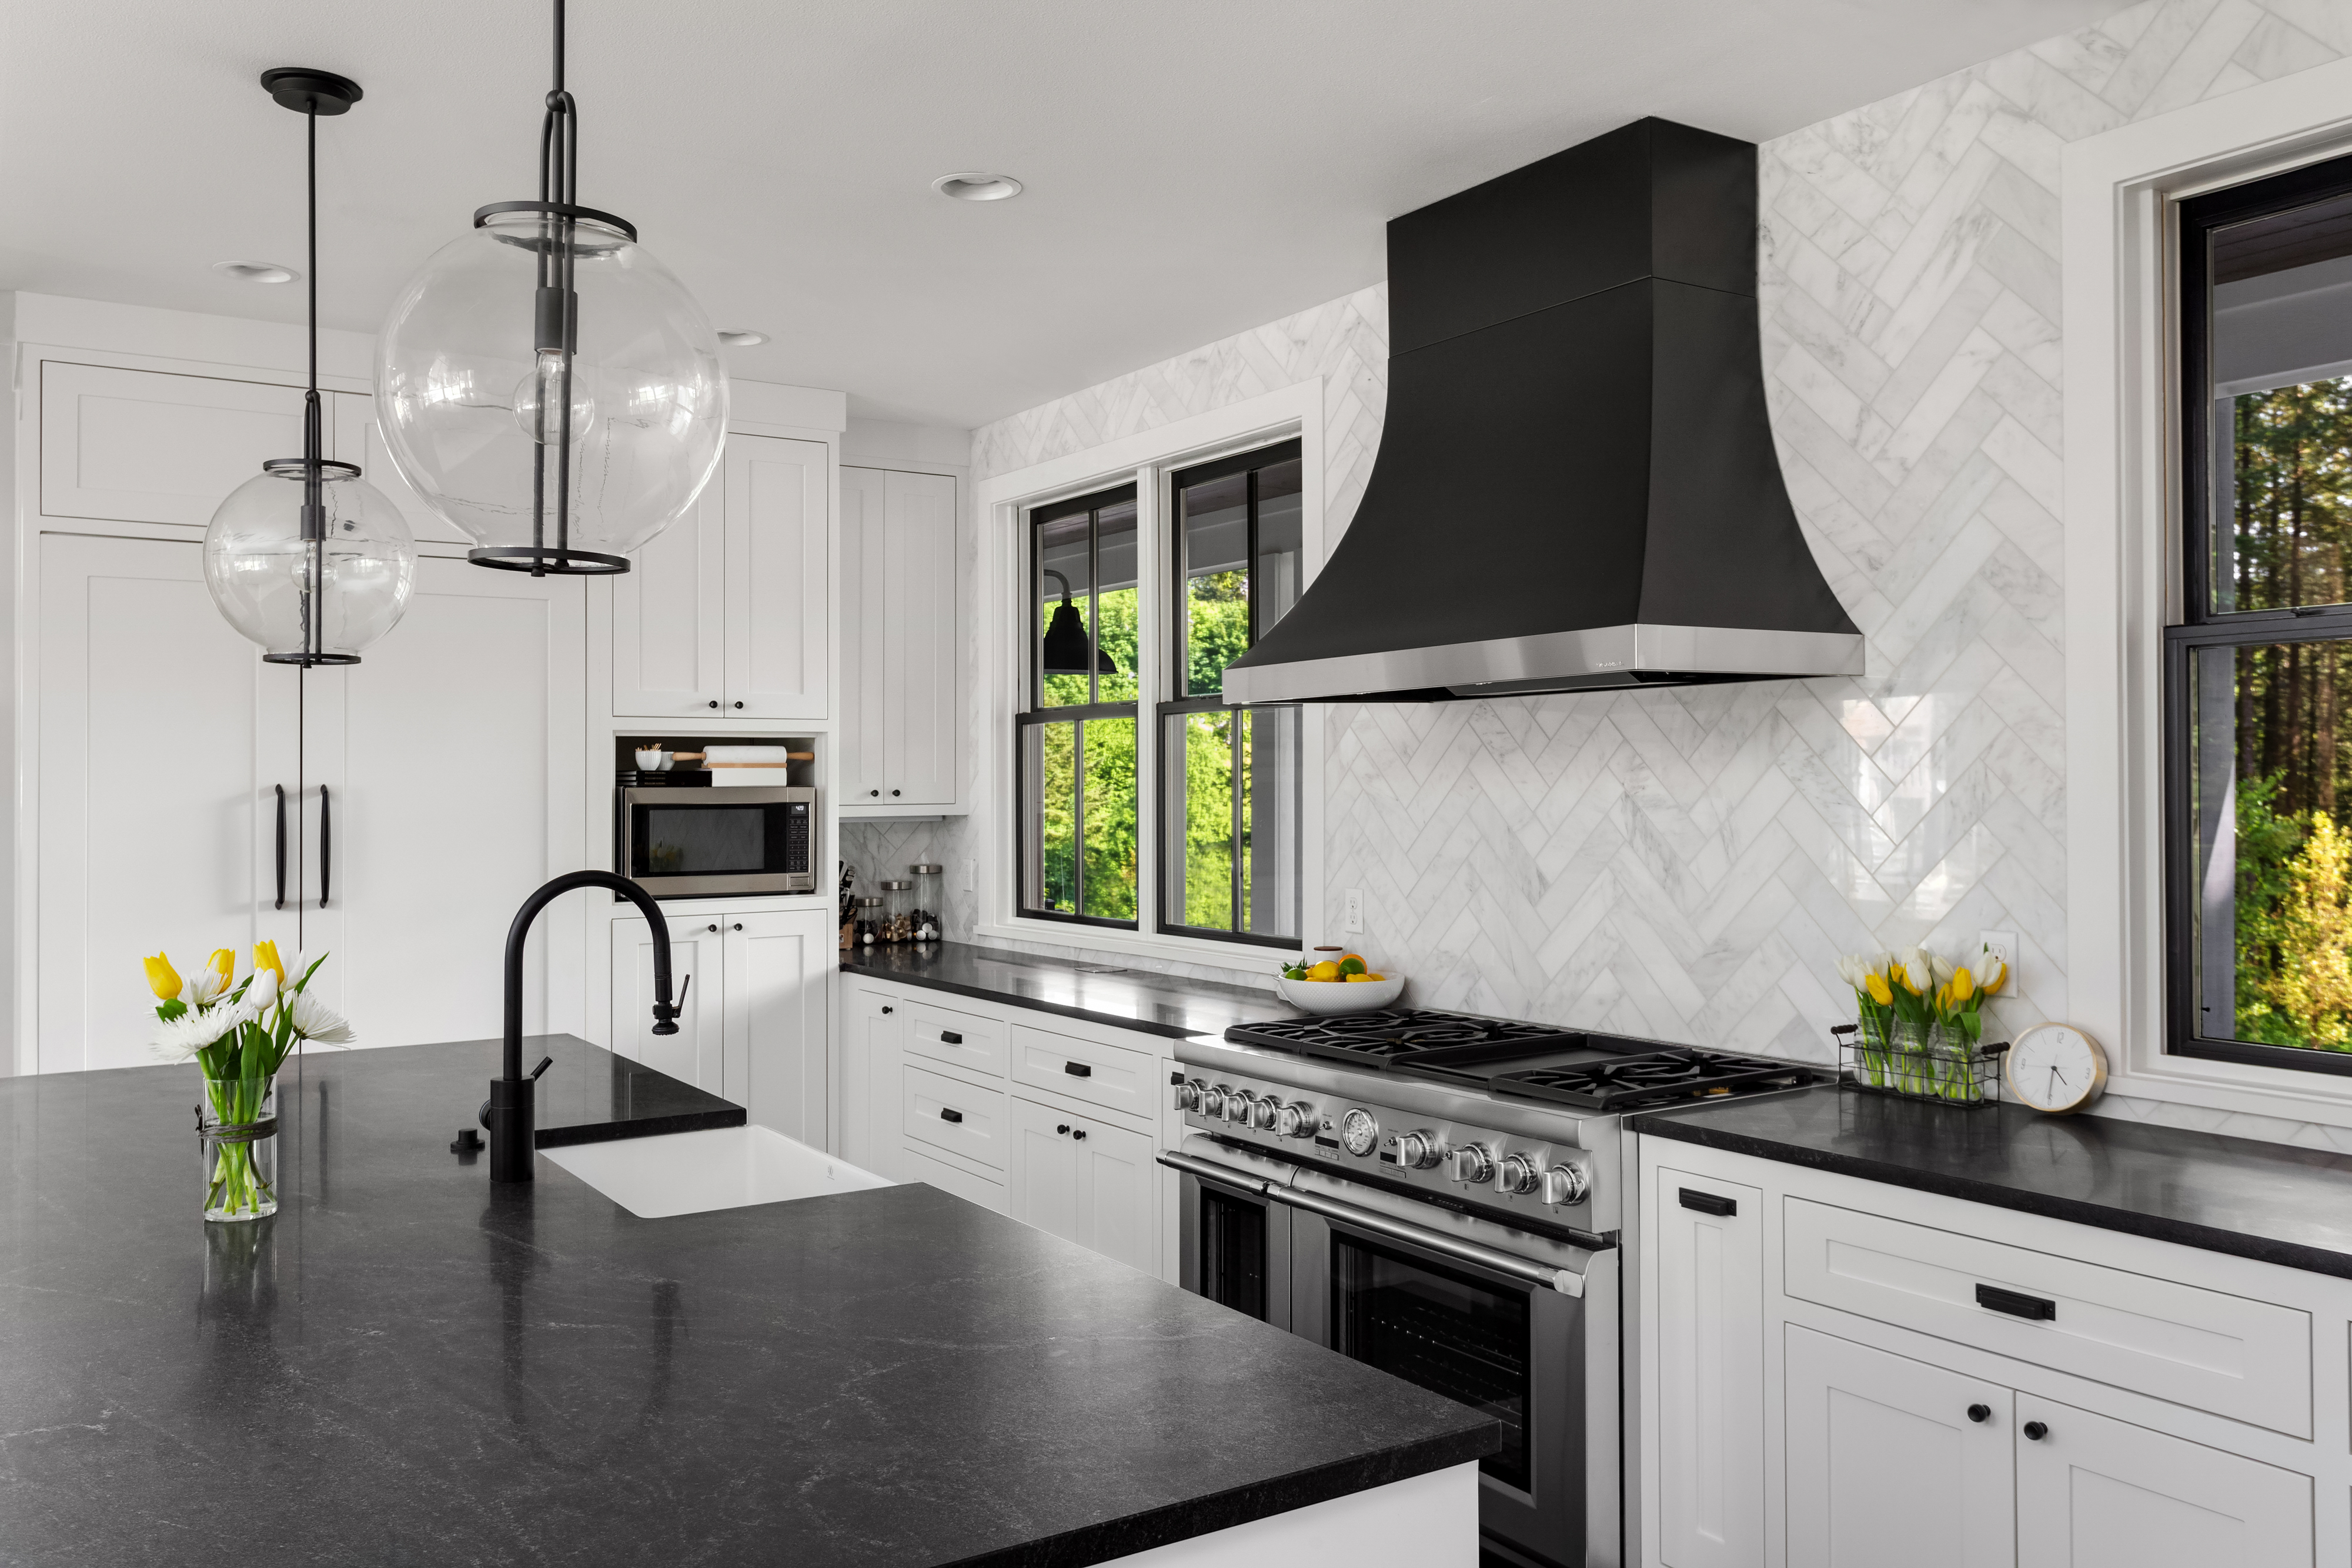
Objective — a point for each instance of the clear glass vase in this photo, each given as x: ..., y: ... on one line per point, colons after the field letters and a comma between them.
x: 1924, y: 1061
x: 236, y: 1129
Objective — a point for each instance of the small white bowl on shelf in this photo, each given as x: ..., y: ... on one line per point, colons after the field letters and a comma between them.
x: 1340, y: 996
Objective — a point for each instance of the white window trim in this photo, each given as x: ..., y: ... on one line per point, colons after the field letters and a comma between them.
x: 1145, y: 459
x: 2123, y: 522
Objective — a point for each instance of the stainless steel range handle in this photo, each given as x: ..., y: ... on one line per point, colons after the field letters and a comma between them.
x: 1565, y: 1281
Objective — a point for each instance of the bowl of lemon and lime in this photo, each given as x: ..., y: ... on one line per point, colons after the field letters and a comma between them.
x: 1338, y: 982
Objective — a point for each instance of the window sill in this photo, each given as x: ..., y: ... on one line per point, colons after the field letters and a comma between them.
x: 1247, y: 957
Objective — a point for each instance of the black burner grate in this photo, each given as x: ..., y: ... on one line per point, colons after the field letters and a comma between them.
x: 1402, y: 1035
x: 1660, y: 1078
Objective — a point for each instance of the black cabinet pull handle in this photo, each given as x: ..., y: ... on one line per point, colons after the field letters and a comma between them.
x: 948, y: 1116
x: 1708, y: 1203
x: 2035, y: 1431
x: 1980, y: 1414
x: 281, y: 846
x: 326, y: 848
x: 1080, y: 1134
x: 2016, y: 1303
x: 949, y: 1037
x: 1077, y: 1070
x: 1062, y: 1128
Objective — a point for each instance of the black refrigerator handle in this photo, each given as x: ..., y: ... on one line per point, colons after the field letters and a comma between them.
x: 326, y: 848
x: 281, y: 846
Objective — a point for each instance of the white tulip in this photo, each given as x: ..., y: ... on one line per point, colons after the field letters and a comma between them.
x: 261, y: 994
x: 1855, y: 969
x: 315, y: 1021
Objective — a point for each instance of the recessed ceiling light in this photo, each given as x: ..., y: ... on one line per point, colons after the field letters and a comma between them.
x: 740, y: 338
x: 256, y: 271
x: 974, y: 186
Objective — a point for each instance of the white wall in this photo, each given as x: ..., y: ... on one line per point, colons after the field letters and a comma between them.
x: 1687, y: 863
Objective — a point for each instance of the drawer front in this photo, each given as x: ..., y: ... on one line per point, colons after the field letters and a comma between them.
x: 2244, y: 1359
x: 949, y: 1113
x: 917, y: 1166
x: 1115, y: 1077
x: 974, y: 1043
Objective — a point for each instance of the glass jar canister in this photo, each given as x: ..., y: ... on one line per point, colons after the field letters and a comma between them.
x: 868, y: 931
x: 929, y: 926
x: 898, y: 910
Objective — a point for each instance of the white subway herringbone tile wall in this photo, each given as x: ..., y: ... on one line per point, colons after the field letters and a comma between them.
x: 1687, y: 863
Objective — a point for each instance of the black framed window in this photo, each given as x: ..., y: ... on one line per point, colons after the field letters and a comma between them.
x: 2258, y: 669
x: 1077, y: 732
x: 1230, y: 828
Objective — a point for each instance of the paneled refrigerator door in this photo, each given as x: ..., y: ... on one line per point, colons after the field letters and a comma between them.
x: 151, y: 783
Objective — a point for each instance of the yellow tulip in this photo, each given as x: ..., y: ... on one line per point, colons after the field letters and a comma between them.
x: 1879, y: 990
x: 2000, y: 978
x: 162, y: 978
x: 264, y: 956
x: 1894, y: 973
x: 224, y: 964
x: 1963, y: 985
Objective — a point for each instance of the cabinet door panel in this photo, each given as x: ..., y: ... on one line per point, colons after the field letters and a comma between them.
x: 358, y: 439
x: 1118, y: 1215
x: 866, y: 579
x: 871, y: 1136
x: 1885, y: 1466
x: 778, y: 582
x: 1710, y: 1374
x: 455, y: 751
x: 154, y: 809
x: 776, y: 973
x: 920, y: 717
x: 1045, y: 1171
x: 2095, y: 1492
x: 669, y: 618
x: 145, y: 446
x: 694, y: 1054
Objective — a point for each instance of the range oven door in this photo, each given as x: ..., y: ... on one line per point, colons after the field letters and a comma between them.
x: 1520, y: 1326
x: 1236, y: 1241
x: 701, y: 840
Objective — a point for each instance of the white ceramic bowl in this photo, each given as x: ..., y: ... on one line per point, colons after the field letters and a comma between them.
x: 1341, y: 996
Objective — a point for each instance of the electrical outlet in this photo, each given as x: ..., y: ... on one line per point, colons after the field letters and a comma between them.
x: 2001, y: 945
x: 967, y: 876
x: 1354, y: 921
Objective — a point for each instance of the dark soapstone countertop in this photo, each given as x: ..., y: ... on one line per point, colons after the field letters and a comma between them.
x: 407, y: 1366
x: 1127, y: 999
x: 2268, y: 1201
x: 590, y: 1096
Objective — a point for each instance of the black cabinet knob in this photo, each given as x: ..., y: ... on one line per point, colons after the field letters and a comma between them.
x: 874, y: 792
x: 2035, y: 1431
x: 1062, y: 1128
x: 714, y: 702
x: 890, y: 1010
x: 1980, y: 1413
x: 739, y: 925
x: 714, y: 928
x: 1080, y: 1134
x: 739, y: 704
x: 894, y: 794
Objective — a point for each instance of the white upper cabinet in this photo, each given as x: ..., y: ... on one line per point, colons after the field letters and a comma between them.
x: 725, y: 614
x: 669, y: 620
x: 146, y: 447
x: 901, y: 719
x: 355, y: 437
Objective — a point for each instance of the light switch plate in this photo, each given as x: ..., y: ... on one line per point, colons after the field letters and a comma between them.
x: 2001, y: 945
x: 1353, y: 924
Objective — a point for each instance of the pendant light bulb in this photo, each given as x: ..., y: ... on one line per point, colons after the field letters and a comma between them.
x: 307, y: 558
x: 473, y: 361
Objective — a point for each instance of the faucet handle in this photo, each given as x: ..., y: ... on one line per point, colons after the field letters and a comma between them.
x: 544, y: 1063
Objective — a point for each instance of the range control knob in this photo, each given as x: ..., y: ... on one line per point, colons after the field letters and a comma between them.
x: 1297, y: 1120
x: 1212, y: 1101
x: 1419, y: 1151
x: 1188, y: 1094
x: 1517, y: 1175
x: 1474, y: 1164
x: 1238, y: 1103
x: 1565, y: 1184
x: 1263, y: 1114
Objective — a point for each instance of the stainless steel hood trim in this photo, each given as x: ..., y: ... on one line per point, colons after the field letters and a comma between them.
x: 1566, y: 656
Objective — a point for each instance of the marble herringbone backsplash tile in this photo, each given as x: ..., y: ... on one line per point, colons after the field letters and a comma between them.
x: 1688, y: 864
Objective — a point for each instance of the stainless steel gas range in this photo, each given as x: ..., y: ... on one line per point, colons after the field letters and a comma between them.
x: 1440, y: 1195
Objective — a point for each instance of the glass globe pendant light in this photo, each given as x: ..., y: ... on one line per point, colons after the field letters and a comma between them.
x: 306, y: 558
x: 545, y: 384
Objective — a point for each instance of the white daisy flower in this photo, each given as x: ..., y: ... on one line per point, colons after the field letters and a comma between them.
x: 192, y: 1031
x: 315, y: 1021
x: 203, y: 989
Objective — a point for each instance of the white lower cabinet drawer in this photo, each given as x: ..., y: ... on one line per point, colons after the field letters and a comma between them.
x: 2244, y: 1359
x: 974, y: 1043
x: 1115, y: 1077
x: 916, y: 1166
x: 949, y: 1113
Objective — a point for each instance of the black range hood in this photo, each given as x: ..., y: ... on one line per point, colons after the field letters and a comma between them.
x: 1576, y: 487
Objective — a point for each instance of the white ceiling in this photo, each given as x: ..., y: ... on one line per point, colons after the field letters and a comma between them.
x: 1194, y: 167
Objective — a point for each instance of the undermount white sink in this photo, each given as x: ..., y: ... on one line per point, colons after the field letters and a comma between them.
x: 688, y: 1173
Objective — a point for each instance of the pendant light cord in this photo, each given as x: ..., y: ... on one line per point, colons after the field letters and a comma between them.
x: 559, y: 181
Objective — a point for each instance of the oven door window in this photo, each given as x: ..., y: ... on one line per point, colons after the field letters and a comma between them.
x: 1452, y: 1333
x: 1233, y: 1251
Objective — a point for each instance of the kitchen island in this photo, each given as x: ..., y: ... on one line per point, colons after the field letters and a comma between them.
x: 407, y: 1364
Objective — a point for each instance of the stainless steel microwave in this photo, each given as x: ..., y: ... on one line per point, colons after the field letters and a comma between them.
x: 704, y: 841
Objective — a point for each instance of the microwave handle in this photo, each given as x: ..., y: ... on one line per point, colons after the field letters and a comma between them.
x: 1565, y: 1281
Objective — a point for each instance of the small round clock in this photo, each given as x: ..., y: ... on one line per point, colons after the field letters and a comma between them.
x: 2055, y: 1068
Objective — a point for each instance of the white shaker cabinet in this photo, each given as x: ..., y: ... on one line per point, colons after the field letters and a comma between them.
x: 150, y: 446
x: 873, y: 1030
x: 1895, y: 1461
x: 2095, y: 1492
x: 696, y: 1054
x: 901, y: 716
x: 1085, y: 1179
x: 725, y: 613
x: 1710, y: 1330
